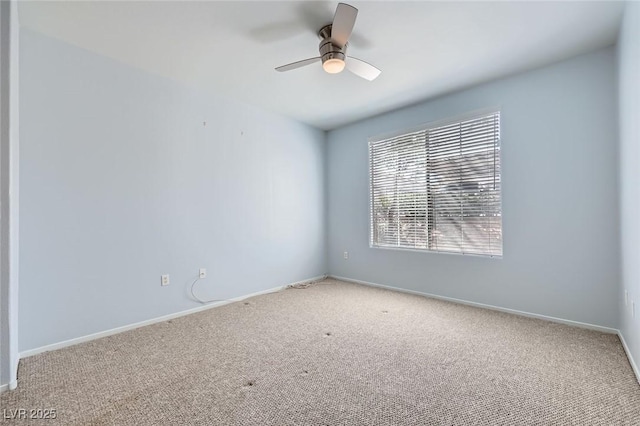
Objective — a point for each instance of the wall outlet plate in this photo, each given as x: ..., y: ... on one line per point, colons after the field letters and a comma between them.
x: 345, y: 255
x: 202, y: 273
x: 164, y: 280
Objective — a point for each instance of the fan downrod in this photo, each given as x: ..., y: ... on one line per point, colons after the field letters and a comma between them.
x: 329, y: 50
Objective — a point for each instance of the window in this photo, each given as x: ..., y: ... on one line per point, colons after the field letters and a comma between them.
x: 438, y: 188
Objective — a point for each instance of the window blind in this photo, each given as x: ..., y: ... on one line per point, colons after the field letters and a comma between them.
x: 439, y: 188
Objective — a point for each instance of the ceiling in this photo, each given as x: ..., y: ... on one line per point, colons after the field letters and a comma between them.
x: 424, y: 49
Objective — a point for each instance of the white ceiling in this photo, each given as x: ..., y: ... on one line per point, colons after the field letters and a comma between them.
x: 424, y: 49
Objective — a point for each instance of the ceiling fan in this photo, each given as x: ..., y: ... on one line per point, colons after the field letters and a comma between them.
x: 333, y: 47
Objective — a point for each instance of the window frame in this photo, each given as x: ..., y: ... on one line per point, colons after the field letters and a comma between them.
x: 425, y: 127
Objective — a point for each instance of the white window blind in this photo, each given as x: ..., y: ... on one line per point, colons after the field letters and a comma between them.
x: 439, y: 188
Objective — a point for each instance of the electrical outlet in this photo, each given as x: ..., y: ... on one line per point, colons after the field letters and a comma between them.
x: 202, y: 273
x: 345, y: 255
x: 626, y: 298
x: 164, y: 280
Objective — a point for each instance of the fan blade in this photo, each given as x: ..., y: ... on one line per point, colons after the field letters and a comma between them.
x: 343, y: 22
x: 362, y: 68
x: 298, y: 64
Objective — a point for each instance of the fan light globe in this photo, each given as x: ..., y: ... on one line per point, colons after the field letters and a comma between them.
x: 333, y: 65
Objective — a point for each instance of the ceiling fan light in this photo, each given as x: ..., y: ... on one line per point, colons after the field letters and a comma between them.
x: 333, y: 65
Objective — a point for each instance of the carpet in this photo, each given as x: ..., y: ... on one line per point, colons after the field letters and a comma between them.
x: 335, y: 353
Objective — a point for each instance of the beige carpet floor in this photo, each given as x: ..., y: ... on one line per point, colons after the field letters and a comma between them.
x: 336, y: 354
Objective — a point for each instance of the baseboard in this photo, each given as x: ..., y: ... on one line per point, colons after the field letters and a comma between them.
x: 8, y: 386
x: 634, y: 366
x: 117, y: 330
x: 485, y: 306
x: 98, y: 335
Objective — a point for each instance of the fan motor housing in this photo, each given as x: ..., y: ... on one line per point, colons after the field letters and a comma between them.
x: 328, y: 50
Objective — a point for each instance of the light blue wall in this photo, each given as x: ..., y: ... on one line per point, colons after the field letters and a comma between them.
x: 560, y: 197
x: 629, y: 98
x: 121, y: 182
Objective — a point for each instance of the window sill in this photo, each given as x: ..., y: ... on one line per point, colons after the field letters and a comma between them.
x: 394, y: 248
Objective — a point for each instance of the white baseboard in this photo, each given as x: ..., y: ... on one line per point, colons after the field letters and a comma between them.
x: 482, y: 305
x: 634, y: 366
x: 124, y: 328
x: 117, y: 330
x: 8, y: 386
